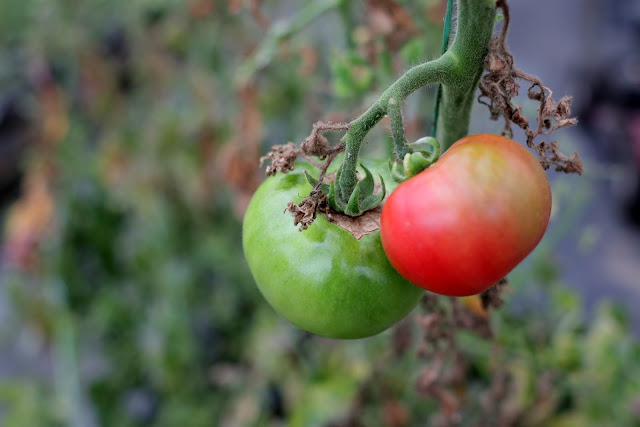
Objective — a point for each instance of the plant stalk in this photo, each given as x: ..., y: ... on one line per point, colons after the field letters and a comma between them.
x: 458, y: 70
x: 475, y: 23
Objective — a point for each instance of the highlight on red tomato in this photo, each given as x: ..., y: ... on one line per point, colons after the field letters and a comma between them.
x: 464, y: 223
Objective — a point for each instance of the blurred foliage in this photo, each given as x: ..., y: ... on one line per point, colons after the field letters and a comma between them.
x: 124, y: 268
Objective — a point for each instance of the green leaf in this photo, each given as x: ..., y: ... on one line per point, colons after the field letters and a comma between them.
x: 397, y: 172
x: 311, y: 180
x: 353, y: 206
x: 373, y: 200
x: 367, y: 184
x: 332, y: 198
x: 414, y: 163
x: 384, y: 189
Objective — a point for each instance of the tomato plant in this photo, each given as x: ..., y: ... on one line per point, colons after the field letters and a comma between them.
x: 464, y: 223
x: 323, y: 279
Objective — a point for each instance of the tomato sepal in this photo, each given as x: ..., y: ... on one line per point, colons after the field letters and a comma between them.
x: 362, y: 197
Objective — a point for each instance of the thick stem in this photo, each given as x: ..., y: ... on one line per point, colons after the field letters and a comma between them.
x: 352, y: 142
x: 419, y: 76
x: 476, y: 19
x: 446, y: 32
x: 394, y: 110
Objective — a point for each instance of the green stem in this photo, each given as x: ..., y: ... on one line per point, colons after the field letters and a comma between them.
x: 417, y: 77
x: 475, y: 23
x: 394, y: 110
x: 458, y: 70
x: 352, y: 142
x: 446, y: 32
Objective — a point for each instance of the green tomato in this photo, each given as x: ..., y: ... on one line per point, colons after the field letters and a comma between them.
x: 322, y: 279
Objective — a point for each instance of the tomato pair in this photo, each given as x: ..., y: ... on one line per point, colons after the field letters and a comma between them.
x: 455, y: 229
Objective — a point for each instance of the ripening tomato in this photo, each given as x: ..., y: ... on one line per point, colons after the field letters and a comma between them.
x: 464, y: 223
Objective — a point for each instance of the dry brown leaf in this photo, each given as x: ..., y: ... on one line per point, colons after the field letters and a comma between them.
x: 499, y: 86
x: 359, y: 226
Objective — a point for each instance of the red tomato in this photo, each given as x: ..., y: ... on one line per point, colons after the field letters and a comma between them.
x: 464, y: 223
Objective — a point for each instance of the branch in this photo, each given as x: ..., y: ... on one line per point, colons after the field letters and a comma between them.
x: 458, y: 70
x: 475, y: 22
x: 394, y: 110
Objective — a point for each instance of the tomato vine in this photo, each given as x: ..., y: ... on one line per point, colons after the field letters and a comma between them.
x: 519, y: 211
x: 458, y: 73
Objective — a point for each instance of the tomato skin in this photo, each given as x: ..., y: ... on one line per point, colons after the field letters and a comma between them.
x: 464, y: 223
x: 322, y: 279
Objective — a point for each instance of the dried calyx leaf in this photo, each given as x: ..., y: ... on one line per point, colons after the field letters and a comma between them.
x: 316, y: 144
x: 499, y: 86
x: 362, y: 197
x: 318, y: 201
x: 305, y: 212
x: 359, y: 226
x: 282, y: 158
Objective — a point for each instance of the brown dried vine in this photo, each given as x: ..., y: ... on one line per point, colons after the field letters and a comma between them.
x: 305, y: 212
x: 447, y: 365
x: 499, y: 86
x: 444, y: 375
x: 283, y: 157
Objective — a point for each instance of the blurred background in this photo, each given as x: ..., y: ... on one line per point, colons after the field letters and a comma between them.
x: 130, y: 134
